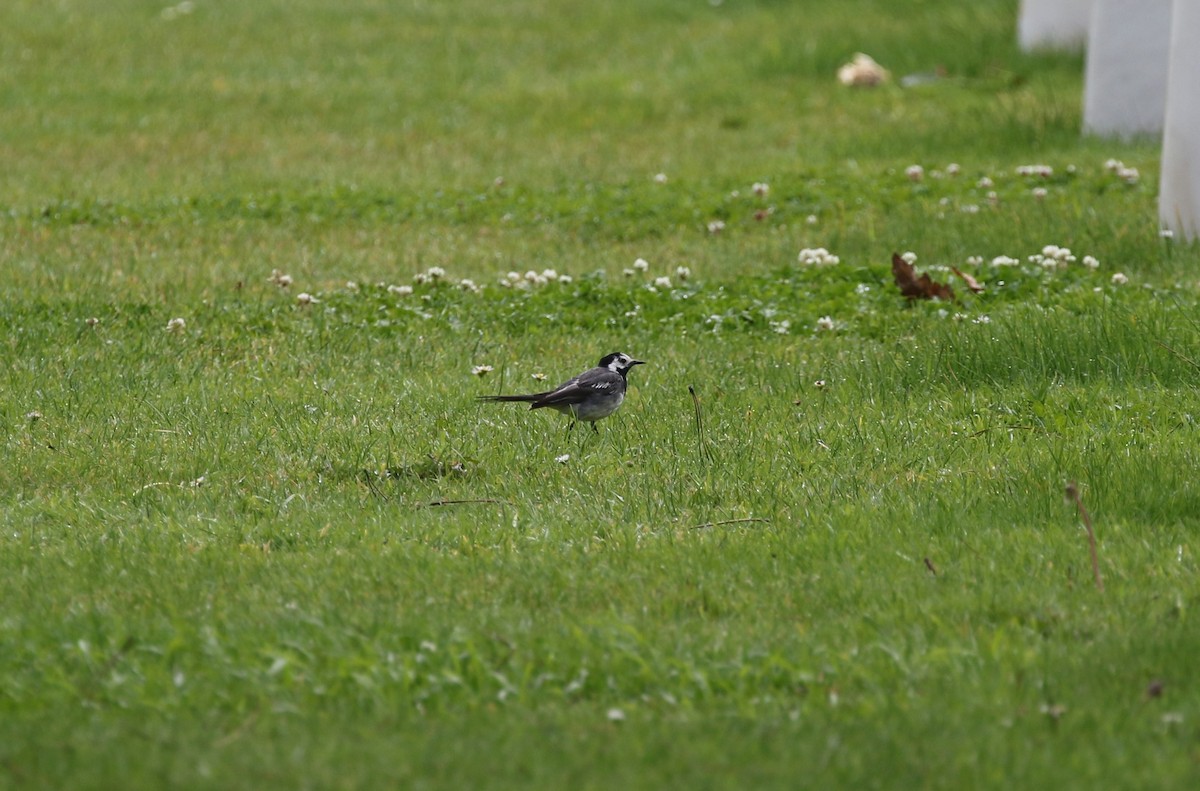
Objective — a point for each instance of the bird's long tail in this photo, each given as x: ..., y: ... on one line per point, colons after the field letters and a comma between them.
x: 524, y: 398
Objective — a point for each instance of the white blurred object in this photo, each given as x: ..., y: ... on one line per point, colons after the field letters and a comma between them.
x: 1125, y: 86
x: 1053, y: 24
x: 862, y: 71
x: 1179, y: 193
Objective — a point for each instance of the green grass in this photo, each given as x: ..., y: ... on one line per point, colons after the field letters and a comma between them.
x: 222, y: 564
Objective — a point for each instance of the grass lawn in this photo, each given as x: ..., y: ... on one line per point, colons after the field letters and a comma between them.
x: 256, y: 531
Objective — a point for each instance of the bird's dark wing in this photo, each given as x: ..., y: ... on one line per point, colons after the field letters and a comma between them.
x: 598, y: 381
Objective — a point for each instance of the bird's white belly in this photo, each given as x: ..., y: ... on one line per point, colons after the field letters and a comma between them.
x: 594, y: 409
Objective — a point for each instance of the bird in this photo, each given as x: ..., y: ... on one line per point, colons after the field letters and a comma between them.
x: 594, y: 394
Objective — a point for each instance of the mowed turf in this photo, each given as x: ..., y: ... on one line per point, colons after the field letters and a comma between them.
x: 257, y: 531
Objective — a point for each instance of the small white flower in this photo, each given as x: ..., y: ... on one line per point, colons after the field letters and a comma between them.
x: 628, y: 272
x: 1045, y: 171
x: 811, y: 219
x: 351, y: 285
x: 660, y: 178
x: 641, y: 265
x: 539, y: 377
x: 992, y: 197
x: 1039, y: 193
x: 761, y: 188
x: 825, y: 323
x: 469, y: 285
x: 615, y: 715
x: 969, y: 208
x: 176, y: 325
x: 818, y: 256
x: 1166, y: 233
x: 861, y: 288
x: 1113, y: 165
x: 985, y: 183
x: 1003, y: 260
x: 92, y: 322
x: 1119, y: 279
x: 662, y: 282
x: 914, y: 172
x: 861, y: 71
x: 716, y: 226
x: 819, y: 384
x: 33, y: 416
x: 401, y: 290
x: 482, y: 370
x: 435, y: 273
x: 959, y: 317
x: 565, y: 279
x: 305, y: 298
x: 531, y: 276
x: 975, y: 260
x: 1090, y: 262
x: 909, y: 257
x: 953, y: 169
x: 563, y: 459
x: 280, y: 279
x: 1128, y: 175
x: 549, y: 274
x: 682, y: 272
x: 985, y: 319
x: 782, y: 327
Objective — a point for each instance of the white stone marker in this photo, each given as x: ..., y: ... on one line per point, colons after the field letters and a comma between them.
x: 1179, y: 191
x: 1053, y: 24
x: 1125, y: 85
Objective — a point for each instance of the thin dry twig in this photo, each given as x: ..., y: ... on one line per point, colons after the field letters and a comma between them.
x: 436, y: 503
x: 1073, y: 494
x: 1179, y: 354
x: 929, y: 565
x: 731, y: 522
x: 701, y: 440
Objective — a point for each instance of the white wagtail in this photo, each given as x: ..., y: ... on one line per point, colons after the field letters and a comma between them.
x: 593, y: 394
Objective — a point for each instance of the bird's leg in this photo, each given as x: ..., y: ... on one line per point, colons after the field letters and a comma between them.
x: 594, y: 429
x: 571, y: 427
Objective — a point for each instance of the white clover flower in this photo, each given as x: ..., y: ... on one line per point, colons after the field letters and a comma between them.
x: 1039, y: 193
x: 1045, y: 171
x: 1119, y: 279
x: 825, y: 323
x: 467, y: 284
x: 1003, y: 260
x: 305, y: 298
x: 280, y: 279
x: 531, y: 276
x: 660, y: 178
x: 969, y: 208
x: 550, y: 274
x: 716, y: 226
x: 351, y: 285
x: 909, y: 257
x: 811, y: 219
x: 992, y: 197
x: 482, y: 370
x: 862, y: 71
x: 914, y: 172
x: 628, y: 272
x: 513, y: 277
x: 761, y: 188
x: 435, y: 273
x: 1090, y: 262
x: 539, y: 376
x: 985, y: 183
x: 959, y: 317
x: 953, y: 169
x: 421, y: 277
x: 92, y: 322
x: 861, y: 288
x: 1113, y: 165
x: 974, y: 260
x: 1166, y: 233
x: 563, y: 459
x: 176, y: 325
x: 984, y: 319
x: 662, y: 282
x: 401, y: 290
x: 818, y: 256
x: 641, y: 265
x: 33, y: 416
x: 1128, y: 175
x: 819, y: 384
x: 565, y: 279
x: 782, y: 327
x: 615, y: 715
x: 682, y: 272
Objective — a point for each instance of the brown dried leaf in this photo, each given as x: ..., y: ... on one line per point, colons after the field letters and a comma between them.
x: 974, y: 285
x: 913, y: 287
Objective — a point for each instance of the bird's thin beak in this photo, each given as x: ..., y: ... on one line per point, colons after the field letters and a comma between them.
x: 637, y: 362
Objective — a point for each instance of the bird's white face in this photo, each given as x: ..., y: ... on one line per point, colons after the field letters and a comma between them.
x: 619, y: 363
